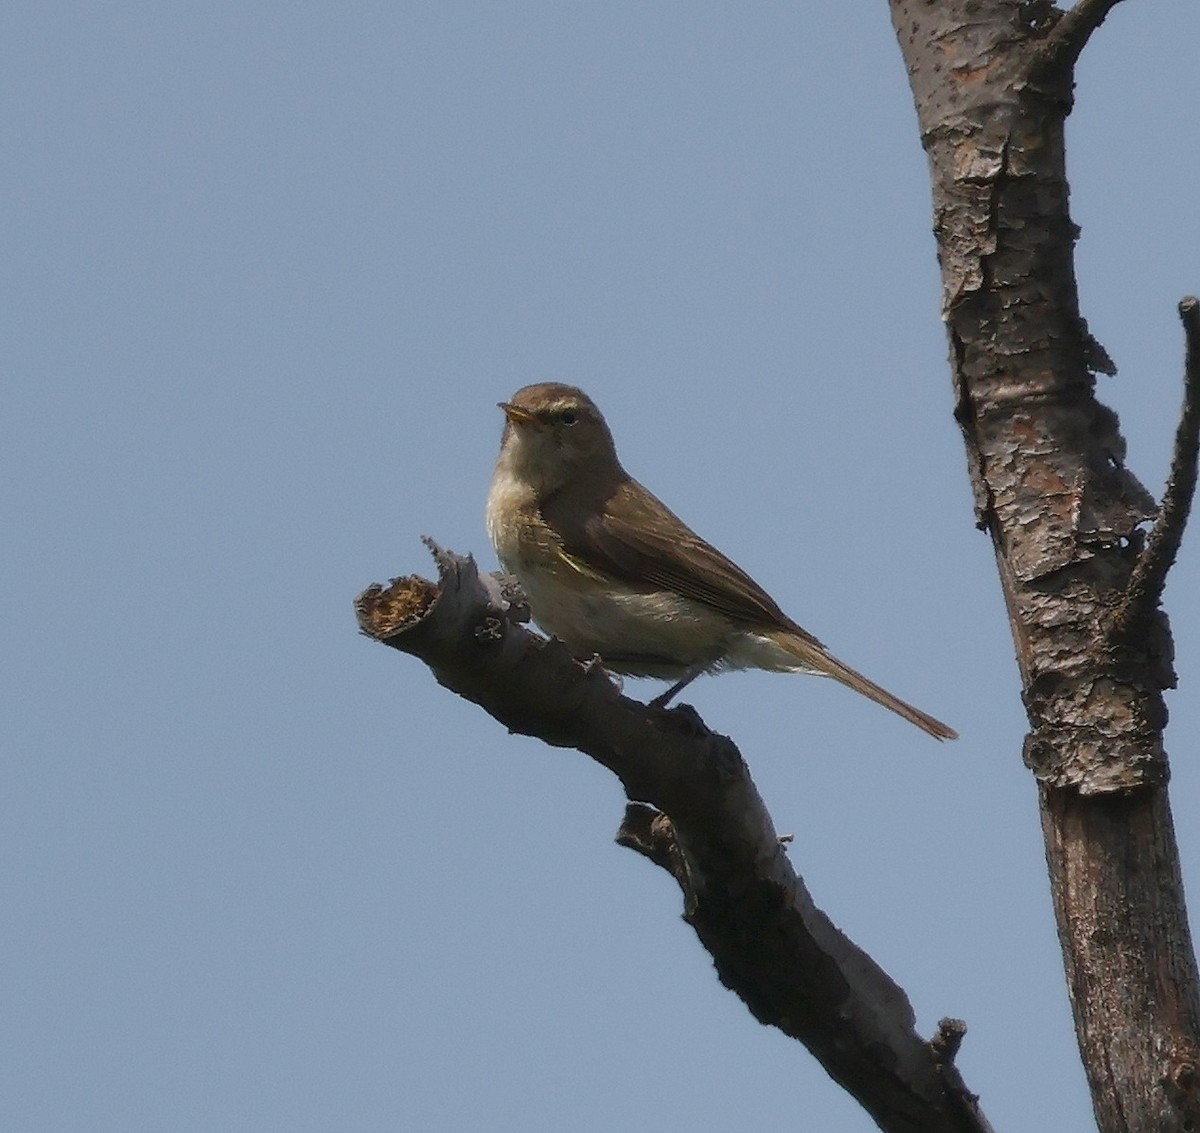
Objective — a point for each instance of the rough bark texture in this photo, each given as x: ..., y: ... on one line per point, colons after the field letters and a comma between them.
x: 993, y: 83
x: 696, y: 813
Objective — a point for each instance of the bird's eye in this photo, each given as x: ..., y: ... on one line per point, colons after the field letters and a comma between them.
x: 568, y: 416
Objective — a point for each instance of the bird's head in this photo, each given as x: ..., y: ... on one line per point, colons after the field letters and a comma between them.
x: 555, y: 435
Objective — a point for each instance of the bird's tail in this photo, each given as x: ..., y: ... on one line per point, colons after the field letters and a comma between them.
x: 814, y: 658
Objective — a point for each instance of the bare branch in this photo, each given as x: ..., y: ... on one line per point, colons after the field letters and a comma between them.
x: 1162, y: 545
x: 1070, y: 35
x: 706, y: 824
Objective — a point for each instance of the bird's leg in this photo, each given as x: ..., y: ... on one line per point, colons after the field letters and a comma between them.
x: 665, y: 698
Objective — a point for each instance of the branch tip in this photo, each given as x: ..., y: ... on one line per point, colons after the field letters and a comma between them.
x: 1149, y: 575
x: 1070, y: 35
x: 384, y: 612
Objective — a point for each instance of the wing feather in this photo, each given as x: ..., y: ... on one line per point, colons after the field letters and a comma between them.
x: 632, y: 535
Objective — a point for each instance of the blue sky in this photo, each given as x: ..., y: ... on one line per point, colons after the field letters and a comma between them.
x: 267, y: 270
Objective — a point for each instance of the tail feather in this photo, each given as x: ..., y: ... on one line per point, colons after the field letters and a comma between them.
x: 813, y: 657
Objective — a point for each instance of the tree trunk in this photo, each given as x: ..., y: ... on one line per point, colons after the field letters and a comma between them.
x: 993, y: 80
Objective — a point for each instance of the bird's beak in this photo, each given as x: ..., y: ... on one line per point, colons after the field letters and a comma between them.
x: 517, y: 415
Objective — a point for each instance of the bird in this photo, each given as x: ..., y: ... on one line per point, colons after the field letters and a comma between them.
x: 611, y: 571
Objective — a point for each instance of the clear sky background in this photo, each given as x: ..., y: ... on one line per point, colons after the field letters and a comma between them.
x: 267, y: 269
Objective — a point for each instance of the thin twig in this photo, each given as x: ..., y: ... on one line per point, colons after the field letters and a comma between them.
x: 1070, y: 35
x: 1162, y: 544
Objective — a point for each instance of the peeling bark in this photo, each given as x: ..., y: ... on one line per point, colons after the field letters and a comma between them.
x: 993, y: 85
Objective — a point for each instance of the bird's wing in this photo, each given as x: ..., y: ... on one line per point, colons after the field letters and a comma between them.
x: 637, y: 538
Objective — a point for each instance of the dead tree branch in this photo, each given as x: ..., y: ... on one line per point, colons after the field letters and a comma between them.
x: 696, y: 813
x: 1071, y: 33
x: 1158, y: 556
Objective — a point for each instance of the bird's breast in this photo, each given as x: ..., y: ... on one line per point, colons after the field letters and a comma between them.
x: 515, y: 525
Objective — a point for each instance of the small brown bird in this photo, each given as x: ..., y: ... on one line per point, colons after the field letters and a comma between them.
x: 610, y: 570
